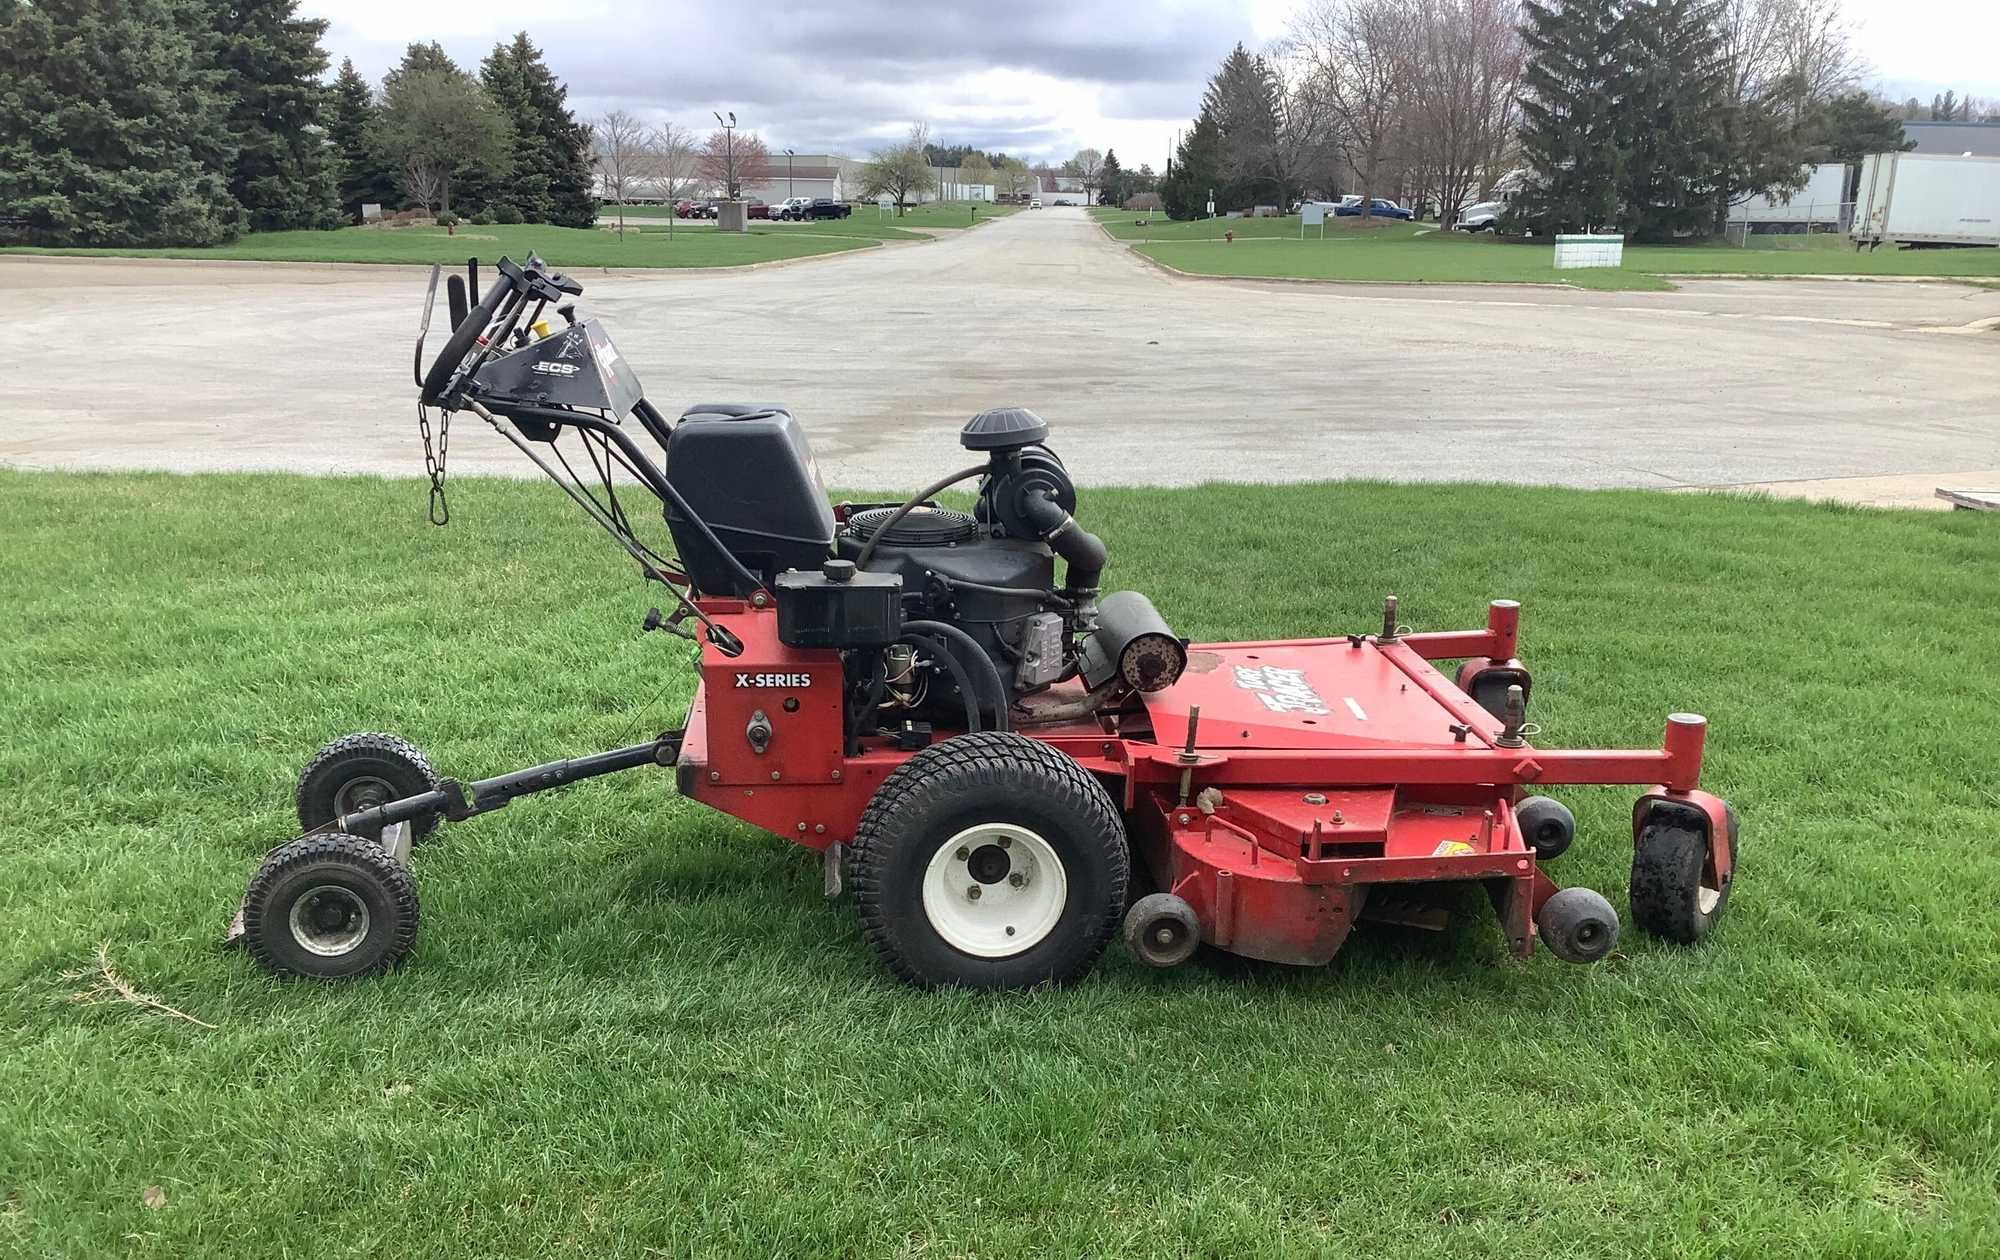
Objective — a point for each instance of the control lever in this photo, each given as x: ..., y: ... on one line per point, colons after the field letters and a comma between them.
x: 568, y: 311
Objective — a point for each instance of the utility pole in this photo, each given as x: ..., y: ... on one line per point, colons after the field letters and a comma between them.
x: 788, y: 174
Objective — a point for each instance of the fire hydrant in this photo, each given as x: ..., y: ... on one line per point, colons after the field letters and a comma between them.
x: 1229, y: 237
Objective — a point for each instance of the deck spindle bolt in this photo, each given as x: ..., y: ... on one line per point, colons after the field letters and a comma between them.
x: 972, y: 892
x: 963, y: 854
x: 1018, y: 880
x: 1389, y: 620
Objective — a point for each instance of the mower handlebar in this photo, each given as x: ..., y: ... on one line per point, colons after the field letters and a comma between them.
x: 476, y: 331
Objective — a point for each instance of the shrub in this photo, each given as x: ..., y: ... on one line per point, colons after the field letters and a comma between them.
x: 447, y: 219
x: 483, y: 219
x: 507, y: 214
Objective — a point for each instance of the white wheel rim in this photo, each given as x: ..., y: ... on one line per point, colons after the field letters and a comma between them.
x: 1021, y: 889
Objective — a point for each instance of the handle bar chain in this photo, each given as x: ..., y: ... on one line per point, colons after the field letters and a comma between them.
x: 440, y: 511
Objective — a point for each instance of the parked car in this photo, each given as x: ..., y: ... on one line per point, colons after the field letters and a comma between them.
x: 826, y: 208
x: 1482, y: 217
x: 758, y: 210
x: 1036, y: 204
x: 685, y: 207
x: 790, y: 208
x: 1377, y: 207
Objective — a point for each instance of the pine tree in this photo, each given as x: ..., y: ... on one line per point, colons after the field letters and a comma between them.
x: 1111, y: 180
x: 270, y: 61
x: 1569, y: 116
x: 350, y: 111
x: 553, y: 179
x: 1672, y: 97
x: 1243, y: 97
x: 111, y: 128
x: 1195, y: 170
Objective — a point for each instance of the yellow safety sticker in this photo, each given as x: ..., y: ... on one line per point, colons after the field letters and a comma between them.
x: 1452, y: 848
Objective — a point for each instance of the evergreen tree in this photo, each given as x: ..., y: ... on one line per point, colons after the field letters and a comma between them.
x: 553, y: 180
x: 1243, y: 97
x: 350, y: 111
x: 1672, y: 100
x: 1569, y: 115
x: 111, y: 127
x: 270, y: 62
x: 1850, y: 127
x: 1195, y: 170
x: 1111, y: 180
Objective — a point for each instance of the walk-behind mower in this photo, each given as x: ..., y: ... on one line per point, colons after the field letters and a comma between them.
x: 993, y: 760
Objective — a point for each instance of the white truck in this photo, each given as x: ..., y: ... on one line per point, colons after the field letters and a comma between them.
x: 1927, y: 199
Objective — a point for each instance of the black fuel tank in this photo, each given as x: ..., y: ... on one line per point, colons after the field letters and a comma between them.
x: 752, y: 479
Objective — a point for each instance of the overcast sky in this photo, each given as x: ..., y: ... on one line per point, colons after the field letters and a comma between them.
x: 1037, y: 78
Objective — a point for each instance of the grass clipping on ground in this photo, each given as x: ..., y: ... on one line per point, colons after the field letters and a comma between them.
x: 632, y: 1026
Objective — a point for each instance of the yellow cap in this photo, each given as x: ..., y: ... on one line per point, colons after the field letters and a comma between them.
x: 541, y: 327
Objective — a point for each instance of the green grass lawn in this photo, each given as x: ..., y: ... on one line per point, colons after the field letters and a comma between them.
x: 564, y: 247
x: 1272, y: 248
x: 632, y: 1027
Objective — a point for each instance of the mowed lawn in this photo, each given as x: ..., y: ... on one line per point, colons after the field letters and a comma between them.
x: 1421, y: 253
x: 633, y: 1028
x: 564, y: 247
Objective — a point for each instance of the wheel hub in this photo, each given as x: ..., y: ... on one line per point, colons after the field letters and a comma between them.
x: 995, y: 890
x: 329, y: 920
x: 362, y: 792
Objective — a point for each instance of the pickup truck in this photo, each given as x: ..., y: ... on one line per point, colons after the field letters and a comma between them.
x: 824, y: 208
x: 790, y: 207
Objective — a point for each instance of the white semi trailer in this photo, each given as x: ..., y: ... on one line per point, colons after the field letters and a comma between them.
x: 1817, y: 205
x: 1927, y: 199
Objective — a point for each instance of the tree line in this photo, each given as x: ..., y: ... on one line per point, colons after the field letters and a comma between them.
x: 1653, y: 115
x: 189, y: 122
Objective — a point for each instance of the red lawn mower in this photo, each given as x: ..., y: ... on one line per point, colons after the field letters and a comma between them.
x: 995, y: 760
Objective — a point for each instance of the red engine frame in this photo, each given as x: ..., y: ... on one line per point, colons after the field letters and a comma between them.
x: 1273, y: 787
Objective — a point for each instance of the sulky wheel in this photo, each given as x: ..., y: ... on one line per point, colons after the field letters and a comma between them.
x: 990, y: 861
x: 329, y: 907
x: 1674, y: 891
x: 1546, y: 825
x: 1577, y: 925
x: 1161, y: 930
x: 357, y: 772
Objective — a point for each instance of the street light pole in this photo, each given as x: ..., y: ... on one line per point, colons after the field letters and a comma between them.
x: 729, y: 189
x: 788, y: 174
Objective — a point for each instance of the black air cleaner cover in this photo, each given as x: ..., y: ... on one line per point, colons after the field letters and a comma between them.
x: 1002, y: 429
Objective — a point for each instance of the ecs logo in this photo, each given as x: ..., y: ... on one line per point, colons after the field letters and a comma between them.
x: 551, y: 368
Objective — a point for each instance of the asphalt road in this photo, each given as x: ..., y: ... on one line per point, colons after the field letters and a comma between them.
x: 1145, y: 377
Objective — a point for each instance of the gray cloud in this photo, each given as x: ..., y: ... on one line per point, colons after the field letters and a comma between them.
x: 852, y: 74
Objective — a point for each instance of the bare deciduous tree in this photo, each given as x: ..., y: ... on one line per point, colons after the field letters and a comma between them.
x: 1357, y: 55
x: 1466, y: 59
x: 900, y: 170
x: 1088, y: 167
x: 623, y: 153
x: 731, y: 159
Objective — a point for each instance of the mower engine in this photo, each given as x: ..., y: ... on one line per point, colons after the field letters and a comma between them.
x: 939, y: 613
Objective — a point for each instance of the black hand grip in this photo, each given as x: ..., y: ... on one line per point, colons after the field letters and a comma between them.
x: 454, y: 293
x: 466, y: 334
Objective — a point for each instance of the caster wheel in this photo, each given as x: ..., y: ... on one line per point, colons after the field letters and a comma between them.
x: 1161, y: 930
x: 990, y: 861
x: 357, y: 772
x: 1675, y: 894
x: 1547, y: 826
x: 329, y: 907
x: 1578, y: 925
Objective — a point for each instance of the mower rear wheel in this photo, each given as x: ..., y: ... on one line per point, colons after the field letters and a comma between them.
x: 1546, y: 826
x: 329, y: 907
x: 1674, y: 896
x: 990, y: 861
x: 360, y: 771
x: 1577, y: 925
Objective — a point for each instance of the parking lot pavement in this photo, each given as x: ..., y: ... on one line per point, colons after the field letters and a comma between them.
x: 1144, y: 377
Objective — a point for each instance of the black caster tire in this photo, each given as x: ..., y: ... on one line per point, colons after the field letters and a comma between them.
x: 990, y: 861
x: 1161, y: 930
x: 329, y: 907
x: 1546, y: 825
x: 1578, y: 925
x: 357, y: 772
x: 1671, y: 898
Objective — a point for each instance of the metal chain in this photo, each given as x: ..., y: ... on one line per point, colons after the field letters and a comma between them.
x: 434, y: 464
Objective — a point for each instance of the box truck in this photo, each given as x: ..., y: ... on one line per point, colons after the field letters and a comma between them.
x: 1927, y: 199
